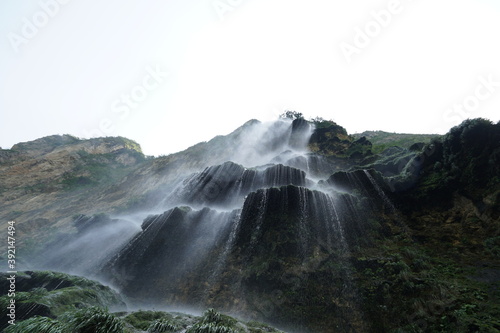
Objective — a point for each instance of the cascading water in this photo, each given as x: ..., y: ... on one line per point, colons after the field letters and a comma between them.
x: 380, y: 192
x: 230, y: 235
x: 222, y: 258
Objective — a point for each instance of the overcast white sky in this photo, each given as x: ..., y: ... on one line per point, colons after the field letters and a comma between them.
x: 98, y: 68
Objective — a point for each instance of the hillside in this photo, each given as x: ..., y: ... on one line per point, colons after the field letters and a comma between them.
x: 46, y: 181
x: 293, y: 223
x: 382, y: 140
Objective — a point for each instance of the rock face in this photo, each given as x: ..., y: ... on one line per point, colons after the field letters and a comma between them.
x: 292, y: 245
x: 294, y: 223
x: 228, y: 183
x: 234, y: 260
x: 44, y: 182
x: 57, y: 163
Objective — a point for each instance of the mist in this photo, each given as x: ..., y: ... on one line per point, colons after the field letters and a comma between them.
x: 211, y: 218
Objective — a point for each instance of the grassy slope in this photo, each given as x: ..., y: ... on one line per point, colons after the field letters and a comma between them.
x: 382, y: 140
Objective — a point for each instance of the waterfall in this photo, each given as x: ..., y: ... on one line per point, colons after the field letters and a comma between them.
x: 304, y: 216
x: 387, y: 202
x: 228, y: 233
x: 261, y: 210
x: 221, y: 260
x: 380, y: 192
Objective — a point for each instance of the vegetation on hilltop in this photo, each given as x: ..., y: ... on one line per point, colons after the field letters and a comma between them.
x: 382, y: 140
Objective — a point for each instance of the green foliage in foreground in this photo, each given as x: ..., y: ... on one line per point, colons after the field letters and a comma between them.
x: 210, y: 328
x: 161, y: 326
x: 214, y: 322
x: 36, y: 324
x: 99, y: 320
x: 53, y: 294
x: 143, y: 320
x: 90, y: 320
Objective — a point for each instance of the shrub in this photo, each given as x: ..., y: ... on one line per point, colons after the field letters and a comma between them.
x: 93, y: 320
x: 36, y: 324
x: 210, y: 328
x: 213, y: 322
x: 160, y: 326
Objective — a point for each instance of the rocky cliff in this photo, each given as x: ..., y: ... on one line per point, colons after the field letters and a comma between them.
x: 295, y: 223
